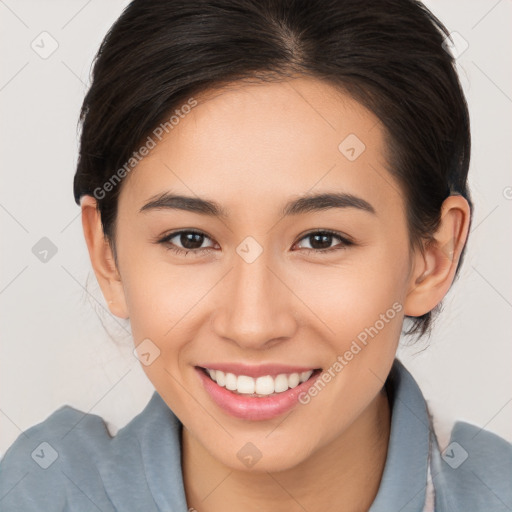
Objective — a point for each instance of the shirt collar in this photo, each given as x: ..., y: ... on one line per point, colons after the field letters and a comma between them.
x: 403, y: 482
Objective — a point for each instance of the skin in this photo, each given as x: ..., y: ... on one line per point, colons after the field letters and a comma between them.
x: 251, y: 148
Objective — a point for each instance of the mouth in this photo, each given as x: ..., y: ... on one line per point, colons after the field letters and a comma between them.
x: 265, y: 395
x: 262, y: 386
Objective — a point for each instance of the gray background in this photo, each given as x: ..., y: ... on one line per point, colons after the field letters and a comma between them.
x: 54, y: 348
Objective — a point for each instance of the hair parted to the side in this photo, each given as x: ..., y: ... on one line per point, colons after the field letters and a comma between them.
x: 387, y: 54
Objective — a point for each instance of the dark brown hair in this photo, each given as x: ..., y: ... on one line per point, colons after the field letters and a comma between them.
x: 387, y: 54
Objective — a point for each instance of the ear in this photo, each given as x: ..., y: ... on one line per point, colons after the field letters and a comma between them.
x: 434, y: 268
x: 102, y: 258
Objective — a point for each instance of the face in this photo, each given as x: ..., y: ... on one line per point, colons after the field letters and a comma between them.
x: 266, y: 286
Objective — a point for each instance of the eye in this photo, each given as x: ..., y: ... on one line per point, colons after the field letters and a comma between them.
x: 321, y: 241
x: 185, y: 241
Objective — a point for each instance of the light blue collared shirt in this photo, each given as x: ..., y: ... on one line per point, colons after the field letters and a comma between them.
x: 71, y: 462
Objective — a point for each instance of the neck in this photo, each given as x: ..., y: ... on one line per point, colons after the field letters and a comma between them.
x: 342, y: 475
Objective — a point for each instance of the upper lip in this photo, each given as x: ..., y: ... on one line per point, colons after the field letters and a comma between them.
x: 256, y: 370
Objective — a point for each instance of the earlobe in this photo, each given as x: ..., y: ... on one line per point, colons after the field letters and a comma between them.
x: 102, y: 259
x: 435, y: 266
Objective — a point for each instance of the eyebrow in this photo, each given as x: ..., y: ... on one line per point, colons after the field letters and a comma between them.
x: 304, y: 204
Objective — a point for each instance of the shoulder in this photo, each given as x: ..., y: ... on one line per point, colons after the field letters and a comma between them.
x: 475, y: 470
x: 53, y: 464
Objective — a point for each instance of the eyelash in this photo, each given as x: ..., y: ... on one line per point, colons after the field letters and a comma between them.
x: 345, y: 242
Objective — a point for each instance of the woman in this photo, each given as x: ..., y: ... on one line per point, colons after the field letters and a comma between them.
x: 268, y: 190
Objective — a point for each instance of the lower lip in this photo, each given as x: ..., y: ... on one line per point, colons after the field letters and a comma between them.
x: 254, y: 408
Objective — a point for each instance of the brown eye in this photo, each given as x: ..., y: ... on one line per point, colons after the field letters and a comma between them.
x: 321, y: 241
x: 186, y: 241
x: 190, y: 240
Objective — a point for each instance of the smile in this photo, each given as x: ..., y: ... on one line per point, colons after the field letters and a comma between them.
x: 260, y: 386
x: 267, y: 393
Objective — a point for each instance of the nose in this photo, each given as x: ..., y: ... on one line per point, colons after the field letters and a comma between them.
x: 255, y: 305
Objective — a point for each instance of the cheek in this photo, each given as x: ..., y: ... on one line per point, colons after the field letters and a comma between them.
x: 161, y: 300
x: 353, y: 296
x: 360, y: 305
x: 158, y: 297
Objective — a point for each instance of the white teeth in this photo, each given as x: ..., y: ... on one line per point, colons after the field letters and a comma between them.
x: 220, y: 378
x: 281, y: 383
x: 230, y: 381
x: 265, y: 385
x: 293, y: 380
x: 244, y: 385
x: 304, y: 376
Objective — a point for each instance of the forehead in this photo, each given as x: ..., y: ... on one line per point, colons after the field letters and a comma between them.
x: 256, y: 144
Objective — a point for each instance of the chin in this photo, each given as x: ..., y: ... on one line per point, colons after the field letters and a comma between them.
x: 262, y: 457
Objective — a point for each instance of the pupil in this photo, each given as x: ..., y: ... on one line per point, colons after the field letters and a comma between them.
x: 188, y: 242
x: 325, y: 241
